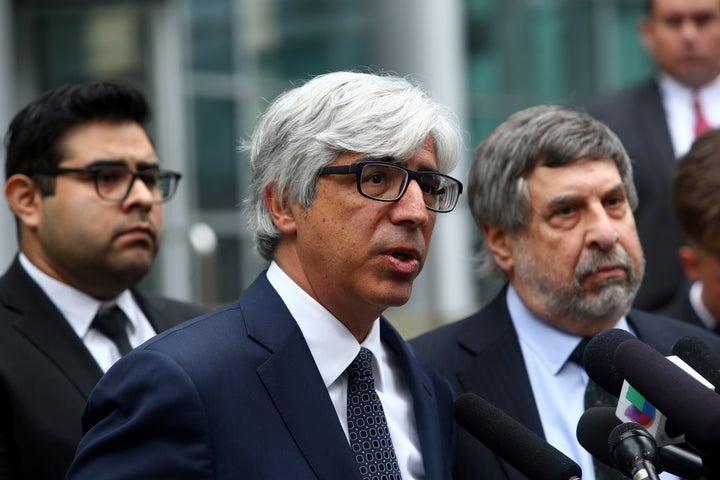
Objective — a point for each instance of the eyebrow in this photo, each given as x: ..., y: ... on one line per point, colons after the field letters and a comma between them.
x: 117, y: 162
x: 565, y: 199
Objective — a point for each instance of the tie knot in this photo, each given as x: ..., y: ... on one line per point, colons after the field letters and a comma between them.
x: 361, y: 367
x: 112, y: 323
x: 577, y: 355
x: 701, y: 123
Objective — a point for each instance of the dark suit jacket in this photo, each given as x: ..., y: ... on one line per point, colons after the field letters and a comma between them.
x: 481, y: 354
x: 46, y: 375
x: 637, y: 116
x: 237, y: 394
x: 682, y: 309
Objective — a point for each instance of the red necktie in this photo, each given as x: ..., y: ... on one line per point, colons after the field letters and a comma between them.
x: 701, y: 125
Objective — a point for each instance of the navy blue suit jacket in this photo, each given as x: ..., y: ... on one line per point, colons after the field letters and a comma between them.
x: 481, y: 354
x: 637, y: 116
x: 236, y: 394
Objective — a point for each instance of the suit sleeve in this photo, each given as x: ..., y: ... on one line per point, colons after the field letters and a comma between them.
x: 144, y: 419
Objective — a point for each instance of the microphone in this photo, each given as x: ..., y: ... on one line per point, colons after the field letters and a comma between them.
x: 594, y: 429
x: 687, y: 403
x: 600, y: 367
x: 700, y: 356
x: 633, y: 451
x: 512, y: 441
x: 598, y: 359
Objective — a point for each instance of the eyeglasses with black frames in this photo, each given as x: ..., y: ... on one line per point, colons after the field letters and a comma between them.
x: 114, y: 182
x: 387, y: 182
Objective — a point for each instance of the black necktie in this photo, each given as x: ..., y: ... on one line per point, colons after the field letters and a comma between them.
x: 111, y: 322
x: 369, y: 435
x: 596, y: 396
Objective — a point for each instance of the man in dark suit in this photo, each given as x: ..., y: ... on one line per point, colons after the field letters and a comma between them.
x: 552, y: 191
x: 695, y: 201
x: 347, y: 179
x: 83, y: 181
x: 657, y: 121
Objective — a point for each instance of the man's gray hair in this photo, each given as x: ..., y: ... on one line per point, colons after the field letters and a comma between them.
x: 544, y: 135
x: 306, y: 128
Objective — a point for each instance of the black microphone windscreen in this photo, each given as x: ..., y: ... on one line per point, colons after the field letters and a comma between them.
x: 512, y: 441
x: 598, y: 359
x: 632, y: 447
x: 701, y: 357
x: 687, y: 403
x: 595, y: 427
x: 593, y: 431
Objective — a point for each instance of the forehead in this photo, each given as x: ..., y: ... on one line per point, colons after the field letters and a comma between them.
x: 108, y: 141
x: 423, y: 159
x: 581, y: 178
x: 684, y: 7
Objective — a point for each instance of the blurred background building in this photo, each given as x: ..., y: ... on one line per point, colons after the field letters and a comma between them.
x: 209, y: 68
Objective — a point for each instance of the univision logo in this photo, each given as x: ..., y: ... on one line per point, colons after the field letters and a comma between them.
x: 640, y: 410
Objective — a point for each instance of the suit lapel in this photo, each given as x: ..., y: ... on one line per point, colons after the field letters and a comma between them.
x: 491, y: 337
x: 506, y: 384
x: 653, y: 124
x: 44, y: 326
x: 154, y: 310
x: 295, y: 385
x: 424, y: 403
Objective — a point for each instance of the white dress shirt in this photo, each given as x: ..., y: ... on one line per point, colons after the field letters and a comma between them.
x: 333, y: 348
x: 679, y: 111
x: 79, y: 310
x: 558, y: 384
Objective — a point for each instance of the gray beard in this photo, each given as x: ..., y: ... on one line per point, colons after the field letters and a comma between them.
x: 611, y: 299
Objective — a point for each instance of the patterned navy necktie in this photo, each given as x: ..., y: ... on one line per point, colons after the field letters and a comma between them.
x: 369, y: 435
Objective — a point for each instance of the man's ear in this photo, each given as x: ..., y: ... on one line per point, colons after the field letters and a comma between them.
x: 280, y: 210
x: 500, y: 244
x: 647, y: 34
x: 689, y: 260
x: 24, y: 198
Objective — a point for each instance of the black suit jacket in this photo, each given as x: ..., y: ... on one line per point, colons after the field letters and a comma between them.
x: 46, y: 375
x: 481, y: 354
x: 637, y: 116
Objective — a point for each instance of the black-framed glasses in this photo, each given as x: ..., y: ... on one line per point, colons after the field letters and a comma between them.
x: 114, y: 182
x: 387, y: 182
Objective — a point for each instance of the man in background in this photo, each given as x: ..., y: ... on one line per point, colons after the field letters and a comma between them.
x: 349, y: 173
x: 551, y: 190
x: 657, y: 121
x: 86, y: 189
x: 696, y: 205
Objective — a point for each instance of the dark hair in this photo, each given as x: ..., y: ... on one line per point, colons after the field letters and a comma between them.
x: 34, y: 137
x: 696, y: 192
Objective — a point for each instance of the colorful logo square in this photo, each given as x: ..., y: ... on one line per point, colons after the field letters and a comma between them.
x: 640, y: 410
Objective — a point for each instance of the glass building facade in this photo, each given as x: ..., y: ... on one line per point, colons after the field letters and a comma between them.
x: 209, y: 68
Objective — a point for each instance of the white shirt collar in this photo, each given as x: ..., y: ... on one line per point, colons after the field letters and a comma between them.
x: 700, y: 309
x: 677, y: 100
x: 536, y: 334
x: 331, y: 344
x: 77, y: 307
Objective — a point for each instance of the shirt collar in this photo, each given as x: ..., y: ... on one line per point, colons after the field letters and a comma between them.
x: 77, y: 307
x: 331, y: 344
x: 551, y: 345
x: 700, y: 309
